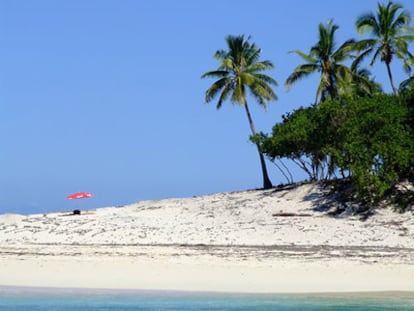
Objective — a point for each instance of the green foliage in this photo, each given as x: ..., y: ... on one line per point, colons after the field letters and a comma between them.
x: 370, y: 140
x: 240, y: 71
x: 377, y: 144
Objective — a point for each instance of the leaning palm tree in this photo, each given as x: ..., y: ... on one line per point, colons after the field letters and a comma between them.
x: 390, y: 33
x: 323, y: 58
x: 240, y: 72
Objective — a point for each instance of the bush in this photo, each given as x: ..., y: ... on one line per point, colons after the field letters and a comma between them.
x: 368, y: 140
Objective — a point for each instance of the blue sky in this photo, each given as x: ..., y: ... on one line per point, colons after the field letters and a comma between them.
x: 105, y: 96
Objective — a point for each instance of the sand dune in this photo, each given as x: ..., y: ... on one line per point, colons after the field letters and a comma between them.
x: 278, y: 240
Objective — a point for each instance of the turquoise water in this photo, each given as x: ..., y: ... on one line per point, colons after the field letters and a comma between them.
x: 18, y: 299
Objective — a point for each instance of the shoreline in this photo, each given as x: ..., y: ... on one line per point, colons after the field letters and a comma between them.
x: 79, y: 292
x: 174, y: 269
x: 264, y: 241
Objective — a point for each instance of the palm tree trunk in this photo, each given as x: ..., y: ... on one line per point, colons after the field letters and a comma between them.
x: 394, y: 89
x: 267, y: 184
x: 331, y: 87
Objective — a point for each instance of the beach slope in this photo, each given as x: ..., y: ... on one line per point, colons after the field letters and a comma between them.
x: 260, y: 241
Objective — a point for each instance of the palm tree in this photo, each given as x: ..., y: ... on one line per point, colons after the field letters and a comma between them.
x: 362, y: 83
x: 325, y: 59
x: 240, y: 71
x: 390, y: 33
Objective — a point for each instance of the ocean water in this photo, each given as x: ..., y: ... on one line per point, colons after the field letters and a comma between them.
x: 19, y: 299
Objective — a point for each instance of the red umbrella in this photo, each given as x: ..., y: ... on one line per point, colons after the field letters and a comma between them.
x: 79, y: 195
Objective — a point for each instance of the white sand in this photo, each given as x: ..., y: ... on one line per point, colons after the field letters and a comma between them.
x: 222, y: 242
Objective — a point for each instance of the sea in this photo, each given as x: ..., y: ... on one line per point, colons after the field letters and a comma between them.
x: 48, y: 299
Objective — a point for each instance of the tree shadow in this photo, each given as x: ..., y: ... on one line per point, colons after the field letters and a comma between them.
x: 338, y: 203
x: 326, y: 200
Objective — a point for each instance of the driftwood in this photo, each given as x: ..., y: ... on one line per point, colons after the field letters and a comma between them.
x: 291, y: 215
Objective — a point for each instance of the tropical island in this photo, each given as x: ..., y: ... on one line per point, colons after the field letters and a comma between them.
x: 349, y: 227
x: 354, y: 136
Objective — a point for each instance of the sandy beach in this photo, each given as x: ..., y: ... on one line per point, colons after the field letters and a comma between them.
x: 283, y: 240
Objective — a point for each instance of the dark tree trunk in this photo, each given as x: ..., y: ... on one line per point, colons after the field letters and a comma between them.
x: 267, y: 184
x: 332, y: 87
x: 394, y: 89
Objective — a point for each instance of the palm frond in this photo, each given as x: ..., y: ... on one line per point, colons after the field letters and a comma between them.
x: 406, y: 84
x: 342, y: 71
x: 326, y: 43
x: 246, y: 78
x: 224, y: 95
x: 402, y: 19
x: 265, y: 78
x: 377, y: 53
x: 344, y: 51
x: 263, y: 93
x: 360, y: 58
x: 362, y: 45
x: 401, y: 45
x: 215, y: 74
x: 408, y: 37
x: 258, y: 94
x: 227, y: 64
x: 363, y: 84
x: 220, y: 55
x: 367, y: 23
x: 407, y: 66
x: 239, y: 94
x: 300, y: 72
x: 259, y: 67
x: 407, y: 28
x: 306, y: 57
x: 263, y: 89
x: 252, y: 54
x: 215, y: 88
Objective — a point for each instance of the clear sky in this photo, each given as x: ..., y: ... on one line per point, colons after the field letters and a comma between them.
x: 105, y: 96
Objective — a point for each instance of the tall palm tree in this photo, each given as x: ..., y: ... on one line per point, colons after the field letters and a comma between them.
x: 241, y: 71
x: 325, y: 59
x: 390, y: 33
